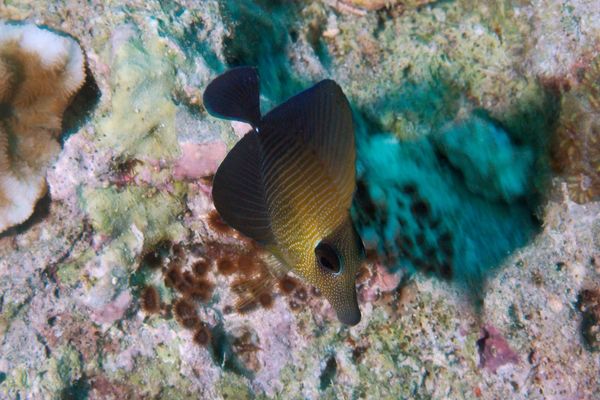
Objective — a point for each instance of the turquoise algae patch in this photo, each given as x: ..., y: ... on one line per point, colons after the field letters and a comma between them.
x: 454, y: 203
x: 462, y: 195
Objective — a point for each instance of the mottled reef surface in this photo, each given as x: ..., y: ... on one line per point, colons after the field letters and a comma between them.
x: 478, y: 198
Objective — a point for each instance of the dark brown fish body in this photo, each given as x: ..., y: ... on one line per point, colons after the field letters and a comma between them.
x: 289, y: 182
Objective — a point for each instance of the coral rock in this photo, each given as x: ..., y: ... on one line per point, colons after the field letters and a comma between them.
x: 590, y: 307
x: 494, y: 350
x: 577, y: 144
x: 40, y: 71
x: 199, y: 159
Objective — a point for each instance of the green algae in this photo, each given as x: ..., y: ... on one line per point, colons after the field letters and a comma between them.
x: 420, y: 211
x: 17, y: 381
x: 234, y: 386
x: 70, y: 273
x: 62, y: 371
x: 259, y: 36
x: 136, y: 219
x: 158, y: 376
x: 194, y: 29
x: 491, y: 166
x: 141, y: 123
x: 10, y: 311
x: 154, y: 213
x: 404, y: 357
x: 167, y: 354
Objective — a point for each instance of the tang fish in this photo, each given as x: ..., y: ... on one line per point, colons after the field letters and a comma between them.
x: 288, y: 183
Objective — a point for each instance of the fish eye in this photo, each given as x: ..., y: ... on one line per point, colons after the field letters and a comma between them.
x: 328, y: 258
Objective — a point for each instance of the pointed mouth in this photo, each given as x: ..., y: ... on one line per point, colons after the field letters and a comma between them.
x: 349, y: 317
x: 348, y: 312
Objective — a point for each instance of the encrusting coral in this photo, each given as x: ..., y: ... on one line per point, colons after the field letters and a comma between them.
x: 40, y: 71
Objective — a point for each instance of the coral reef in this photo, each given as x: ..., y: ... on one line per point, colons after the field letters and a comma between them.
x: 494, y: 351
x: 129, y: 285
x: 590, y: 307
x: 373, y: 5
x: 577, y: 141
x: 40, y: 71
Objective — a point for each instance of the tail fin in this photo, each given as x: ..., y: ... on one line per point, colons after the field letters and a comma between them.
x: 235, y: 95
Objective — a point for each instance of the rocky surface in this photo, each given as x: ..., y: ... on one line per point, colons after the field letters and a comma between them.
x: 129, y: 208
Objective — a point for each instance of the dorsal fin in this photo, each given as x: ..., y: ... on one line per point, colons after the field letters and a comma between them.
x: 322, y: 118
x: 238, y: 191
x: 235, y: 95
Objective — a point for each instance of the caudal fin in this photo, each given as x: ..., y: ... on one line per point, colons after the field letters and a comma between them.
x: 235, y: 95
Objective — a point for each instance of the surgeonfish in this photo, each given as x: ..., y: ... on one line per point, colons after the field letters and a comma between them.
x: 288, y: 183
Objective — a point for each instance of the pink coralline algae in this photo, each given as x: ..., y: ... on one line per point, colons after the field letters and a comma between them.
x: 494, y: 350
x: 199, y: 160
x: 113, y: 311
x: 381, y: 281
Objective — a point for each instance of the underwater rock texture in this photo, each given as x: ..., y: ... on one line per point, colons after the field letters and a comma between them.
x: 485, y: 262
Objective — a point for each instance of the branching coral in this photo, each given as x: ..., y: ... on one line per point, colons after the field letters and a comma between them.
x: 40, y: 71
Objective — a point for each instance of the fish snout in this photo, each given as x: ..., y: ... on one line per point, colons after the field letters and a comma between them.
x: 348, y: 312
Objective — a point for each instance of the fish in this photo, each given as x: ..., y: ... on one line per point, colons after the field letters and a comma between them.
x: 288, y: 183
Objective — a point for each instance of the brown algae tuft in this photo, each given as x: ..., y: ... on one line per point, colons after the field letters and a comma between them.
x: 202, y: 335
x: 576, y: 150
x: 185, y: 313
x: 150, y: 300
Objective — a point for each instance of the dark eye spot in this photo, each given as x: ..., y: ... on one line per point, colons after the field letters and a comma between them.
x: 328, y: 258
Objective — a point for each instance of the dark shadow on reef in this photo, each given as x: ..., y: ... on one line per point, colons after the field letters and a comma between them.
x: 82, y: 106
x: 41, y: 211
